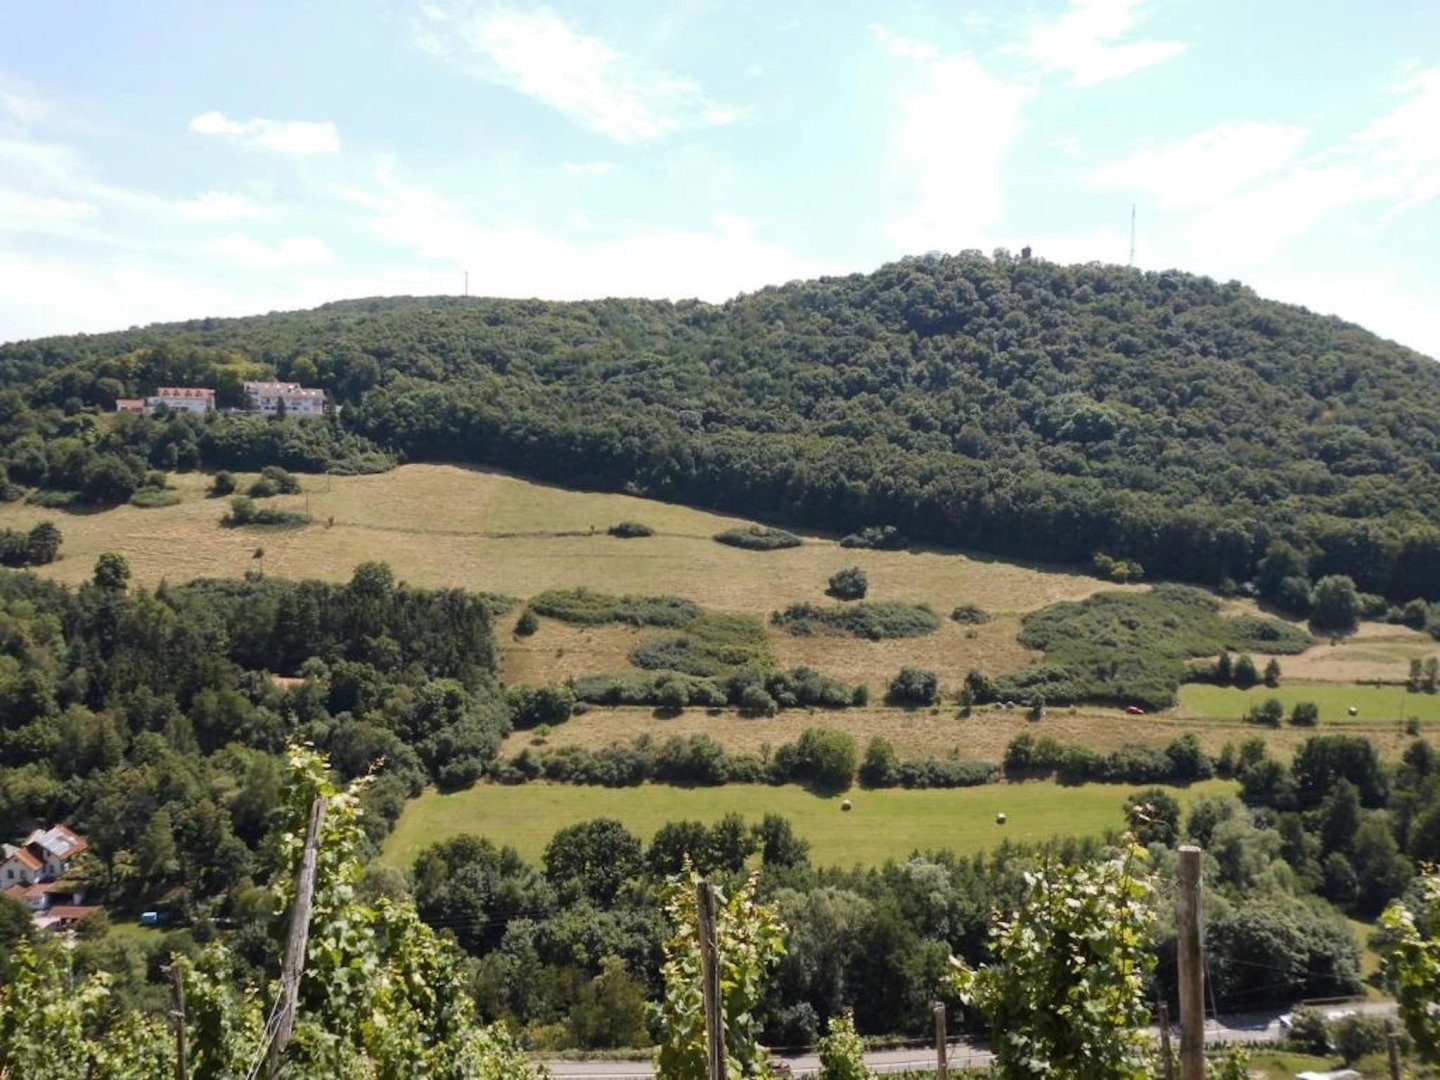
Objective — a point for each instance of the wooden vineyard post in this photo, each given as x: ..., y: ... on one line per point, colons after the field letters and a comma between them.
x: 710, y: 981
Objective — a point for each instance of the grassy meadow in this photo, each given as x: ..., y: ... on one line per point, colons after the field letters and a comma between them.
x: 883, y: 824
x: 1377, y: 706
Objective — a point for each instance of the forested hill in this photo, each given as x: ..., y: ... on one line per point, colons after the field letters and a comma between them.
x: 1005, y: 404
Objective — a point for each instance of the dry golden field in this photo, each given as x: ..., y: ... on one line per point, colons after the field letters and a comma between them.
x: 446, y: 525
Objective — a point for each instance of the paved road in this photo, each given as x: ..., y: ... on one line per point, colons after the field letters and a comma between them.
x: 1257, y: 1027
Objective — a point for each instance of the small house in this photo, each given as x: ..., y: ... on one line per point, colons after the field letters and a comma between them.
x: 196, y: 399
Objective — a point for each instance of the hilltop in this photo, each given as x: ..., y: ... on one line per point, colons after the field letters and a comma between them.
x: 1001, y: 404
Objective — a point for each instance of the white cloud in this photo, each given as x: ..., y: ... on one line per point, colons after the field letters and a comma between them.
x: 1083, y: 42
x: 589, y: 168
x: 1403, y: 145
x: 538, y: 54
x: 225, y: 206
x: 298, y: 137
x: 1207, y: 167
x: 257, y: 254
x: 21, y: 211
x: 506, y: 258
x: 956, y: 127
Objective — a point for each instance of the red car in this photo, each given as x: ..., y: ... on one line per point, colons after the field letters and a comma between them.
x: 1134, y: 710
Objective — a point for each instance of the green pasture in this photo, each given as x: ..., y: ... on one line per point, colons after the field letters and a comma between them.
x: 883, y: 824
x: 1374, y: 703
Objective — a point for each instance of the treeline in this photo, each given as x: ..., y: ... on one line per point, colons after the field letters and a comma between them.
x: 151, y: 722
x: 1004, y: 404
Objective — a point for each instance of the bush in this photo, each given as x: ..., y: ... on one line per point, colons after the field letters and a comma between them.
x: 822, y: 758
x: 527, y: 623
x: 758, y: 538
x: 876, y: 620
x: 243, y: 511
x: 1270, y: 712
x: 148, y: 498
x: 710, y: 646
x: 585, y: 607
x: 970, y: 614
x: 1305, y: 714
x: 755, y: 701
x: 848, y: 584
x: 222, y: 485
x: 913, y: 687
x: 881, y: 538
x: 630, y: 530
x: 842, y: 1053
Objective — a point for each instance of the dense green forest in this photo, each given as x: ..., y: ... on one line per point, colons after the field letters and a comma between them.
x: 1159, y: 420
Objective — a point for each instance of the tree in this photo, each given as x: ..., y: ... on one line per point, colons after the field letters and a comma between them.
x: 610, y: 1011
x: 1305, y: 714
x: 1409, y: 947
x: 913, y: 687
x: 1269, y: 712
x: 1153, y: 816
x: 112, y: 572
x: 842, y: 1053
x: 223, y: 484
x: 1066, y: 994
x: 1245, y: 674
x: 779, y: 846
x: 42, y: 544
x: 849, y: 584
x: 823, y: 757
x: 1336, y: 604
x: 1272, y: 673
x: 1224, y: 669
x: 592, y: 858
x: 879, y: 767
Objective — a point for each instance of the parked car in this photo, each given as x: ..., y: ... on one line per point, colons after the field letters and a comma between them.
x: 1134, y: 710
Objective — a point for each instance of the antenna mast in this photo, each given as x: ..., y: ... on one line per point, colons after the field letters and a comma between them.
x: 1132, y: 235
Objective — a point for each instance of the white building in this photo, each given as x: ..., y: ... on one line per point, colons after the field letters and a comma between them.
x: 270, y: 397
x: 198, y: 399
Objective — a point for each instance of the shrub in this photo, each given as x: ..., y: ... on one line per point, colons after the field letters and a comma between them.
x: 148, y: 498
x: 243, y: 511
x: 630, y: 530
x: 527, y: 623
x: 970, y: 614
x: 822, y: 757
x: 1270, y: 711
x: 1305, y: 714
x: 222, y: 485
x: 881, y: 538
x: 758, y: 538
x: 848, y: 584
x: 1246, y: 674
x: 913, y: 687
x: 586, y: 607
x: 710, y: 646
x: 756, y: 701
x: 875, y: 620
x: 842, y: 1053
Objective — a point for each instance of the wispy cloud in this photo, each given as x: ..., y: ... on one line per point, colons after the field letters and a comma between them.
x: 257, y: 254
x: 589, y: 168
x: 1085, y: 41
x: 539, y: 54
x: 957, y: 124
x: 300, y: 137
x: 22, y: 211
x: 225, y: 206
x: 1206, y: 167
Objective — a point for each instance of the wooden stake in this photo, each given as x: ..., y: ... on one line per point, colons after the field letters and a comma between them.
x: 1167, y: 1058
x: 177, y: 992
x: 294, y: 965
x: 1192, y: 968
x: 710, y: 981
x: 941, y: 1065
x: 1392, y: 1047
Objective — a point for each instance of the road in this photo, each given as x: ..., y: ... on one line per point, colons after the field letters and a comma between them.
x: 1257, y: 1028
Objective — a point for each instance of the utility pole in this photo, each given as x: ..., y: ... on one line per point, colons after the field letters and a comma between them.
x: 294, y: 965
x: 942, y: 1069
x: 1192, y: 968
x: 177, y: 992
x: 1167, y: 1059
x: 710, y: 981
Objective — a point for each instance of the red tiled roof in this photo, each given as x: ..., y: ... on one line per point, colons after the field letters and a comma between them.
x: 24, y: 857
x: 185, y: 392
x: 69, y: 912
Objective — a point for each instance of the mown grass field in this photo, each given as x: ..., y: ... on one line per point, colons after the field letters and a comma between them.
x: 883, y: 824
x: 445, y: 525
x: 1377, y: 706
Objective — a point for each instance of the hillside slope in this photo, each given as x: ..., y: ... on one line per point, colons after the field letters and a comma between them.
x: 1004, y: 404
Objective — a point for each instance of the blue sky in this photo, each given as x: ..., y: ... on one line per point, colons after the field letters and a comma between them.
x: 169, y: 160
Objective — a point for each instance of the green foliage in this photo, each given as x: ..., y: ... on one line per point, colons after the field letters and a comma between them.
x: 588, y: 608
x: 1133, y: 648
x: 223, y: 484
x: 879, y: 537
x: 38, y: 547
x: 112, y: 572
x: 822, y: 757
x: 1269, y: 712
x: 710, y: 645
x: 1066, y: 993
x: 1336, y: 604
x: 1409, y: 947
x: 749, y: 940
x: 1305, y: 714
x: 527, y: 623
x: 848, y: 584
x: 875, y: 620
x: 630, y: 530
x: 1153, y: 816
x: 154, y: 498
x: 842, y: 1053
x: 970, y: 615
x: 244, y: 512
x: 1308, y: 1031
x: 913, y: 687
x: 758, y: 538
